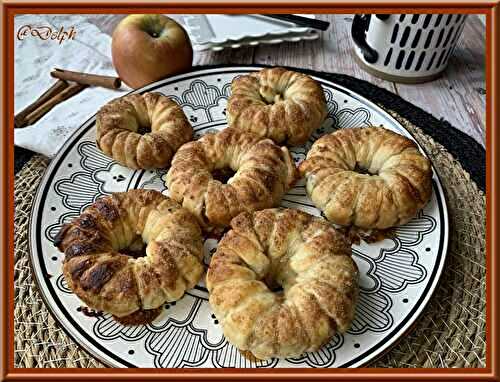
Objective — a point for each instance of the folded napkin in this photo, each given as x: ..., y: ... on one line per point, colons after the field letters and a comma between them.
x: 35, y: 58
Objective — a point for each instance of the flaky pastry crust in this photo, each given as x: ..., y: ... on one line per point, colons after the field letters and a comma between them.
x: 264, y: 173
x: 142, y: 131
x: 276, y: 103
x: 396, y: 185
x: 304, y: 255
x: 100, y: 272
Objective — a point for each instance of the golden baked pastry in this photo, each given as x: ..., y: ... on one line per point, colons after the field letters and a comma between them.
x: 142, y: 131
x: 276, y: 103
x: 285, y: 248
x: 264, y: 173
x: 101, y: 247
x: 367, y: 177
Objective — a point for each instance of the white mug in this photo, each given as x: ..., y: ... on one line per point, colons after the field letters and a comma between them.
x: 410, y: 48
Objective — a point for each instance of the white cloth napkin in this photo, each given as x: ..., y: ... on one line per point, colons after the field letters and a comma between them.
x: 89, y: 52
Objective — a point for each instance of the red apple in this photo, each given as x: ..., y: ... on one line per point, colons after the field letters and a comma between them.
x: 147, y: 48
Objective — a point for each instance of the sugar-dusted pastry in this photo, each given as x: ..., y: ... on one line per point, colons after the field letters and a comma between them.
x: 367, y: 177
x: 129, y: 253
x: 276, y: 103
x: 142, y: 131
x: 289, y: 249
x: 263, y: 173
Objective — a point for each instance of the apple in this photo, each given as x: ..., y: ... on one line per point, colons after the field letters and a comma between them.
x: 147, y: 48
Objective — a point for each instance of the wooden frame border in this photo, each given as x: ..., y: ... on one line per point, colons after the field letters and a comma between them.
x: 9, y: 9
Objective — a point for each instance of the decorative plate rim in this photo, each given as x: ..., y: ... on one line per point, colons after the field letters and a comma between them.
x: 361, y: 360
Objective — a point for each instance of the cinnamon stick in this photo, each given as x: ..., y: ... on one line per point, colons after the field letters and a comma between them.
x: 57, y: 87
x: 68, y: 92
x: 87, y: 79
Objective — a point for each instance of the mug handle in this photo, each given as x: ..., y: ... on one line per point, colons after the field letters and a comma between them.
x: 358, y: 34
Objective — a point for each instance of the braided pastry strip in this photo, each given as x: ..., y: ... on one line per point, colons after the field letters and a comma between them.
x: 108, y: 280
x: 118, y: 126
x: 264, y: 173
x: 276, y: 103
x: 397, y: 186
x: 302, y: 253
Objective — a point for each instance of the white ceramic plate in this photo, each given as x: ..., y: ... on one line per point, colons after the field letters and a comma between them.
x: 269, y: 40
x: 217, y: 31
x: 398, y: 275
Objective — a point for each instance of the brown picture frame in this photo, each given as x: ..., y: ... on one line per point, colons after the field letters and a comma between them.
x: 10, y: 8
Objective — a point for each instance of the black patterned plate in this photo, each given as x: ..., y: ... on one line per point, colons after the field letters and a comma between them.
x: 398, y: 275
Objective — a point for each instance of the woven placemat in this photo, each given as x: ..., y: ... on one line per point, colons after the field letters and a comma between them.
x: 38, y: 339
x: 449, y: 333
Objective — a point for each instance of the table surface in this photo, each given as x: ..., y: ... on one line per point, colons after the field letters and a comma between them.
x: 458, y: 96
